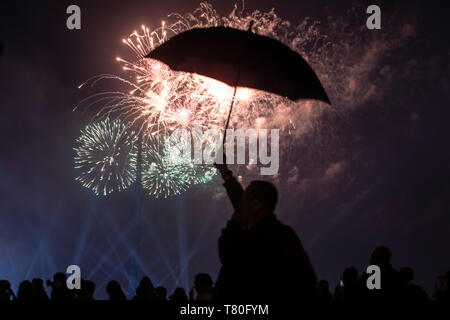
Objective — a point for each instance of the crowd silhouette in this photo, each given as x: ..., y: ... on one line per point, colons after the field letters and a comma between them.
x: 397, y: 286
x: 262, y: 260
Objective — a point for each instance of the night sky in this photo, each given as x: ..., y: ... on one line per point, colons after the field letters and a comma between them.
x: 373, y: 170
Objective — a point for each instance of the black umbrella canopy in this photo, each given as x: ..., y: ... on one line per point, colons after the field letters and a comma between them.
x: 244, y: 59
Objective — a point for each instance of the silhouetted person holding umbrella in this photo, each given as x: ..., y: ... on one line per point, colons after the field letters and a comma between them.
x: 262, y: 259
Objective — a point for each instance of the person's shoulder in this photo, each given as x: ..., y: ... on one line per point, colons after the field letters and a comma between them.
x: 274, y: 222
x: 284, y: 226
x: 286, y: 230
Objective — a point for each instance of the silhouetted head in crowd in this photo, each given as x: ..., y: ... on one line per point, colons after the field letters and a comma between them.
x: 59, y: 281
x: 203, y: 283
x: 259, y: 200
x: 5, y: 290
x: 38, y: 285
x: 406, y: 275
x: 324, y: 287
x: 59, y: 287
x: 349, y: 288
x: 161, y: 293
x: 145, y: 290
x: 88, y: 289
x: 441, y: 290
x: 26, y: 291
x: 350, y: 277
x: 114, y: 291
x: 441, y: 284
x: 323, y: 291
x: 381, y: 256
x: 179, y: 295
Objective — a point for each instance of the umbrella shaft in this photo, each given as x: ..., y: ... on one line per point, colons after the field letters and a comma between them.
x: 229, y: 116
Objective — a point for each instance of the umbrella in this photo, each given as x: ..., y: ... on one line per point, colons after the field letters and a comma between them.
x: 242, y: 58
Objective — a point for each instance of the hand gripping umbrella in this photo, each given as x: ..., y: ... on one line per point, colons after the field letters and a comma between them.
x: 241, y: 59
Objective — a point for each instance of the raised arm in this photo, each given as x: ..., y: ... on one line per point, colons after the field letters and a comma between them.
x: 233, y: 187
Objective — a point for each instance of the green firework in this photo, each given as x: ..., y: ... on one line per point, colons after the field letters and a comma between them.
x: 104, y: 157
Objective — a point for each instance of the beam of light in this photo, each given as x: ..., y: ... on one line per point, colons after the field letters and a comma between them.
x: 162, y: 250
x: 113, y: 251
x: 182, y: 238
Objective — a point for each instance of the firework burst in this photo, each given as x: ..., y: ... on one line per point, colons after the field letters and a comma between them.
x: 160, y: 100
x: 168, y: 168
x: 104, y: 157
x: 156, y: 100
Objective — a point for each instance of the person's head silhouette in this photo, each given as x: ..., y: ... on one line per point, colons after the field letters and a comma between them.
x: 26, y: 291
x: 59, y: 280
x: 145, y: 288
x: 89, y: 288
x: 115, y: 291
x: 179, y: 295
x: 258, y: 201
x: 350, y: 277
x: 323, y: 287
x: 406, y: 274
x: 5, y: 290
x: 38, y: 285
x: 161, y: 293
x: 203, y: 283
x: 381, y: 256
x: 441, y: 284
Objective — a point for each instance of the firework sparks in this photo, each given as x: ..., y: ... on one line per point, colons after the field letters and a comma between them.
x: 104, y: 157
x: 161, y: 100
x: 158, y: 100
x: 168, y: 169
